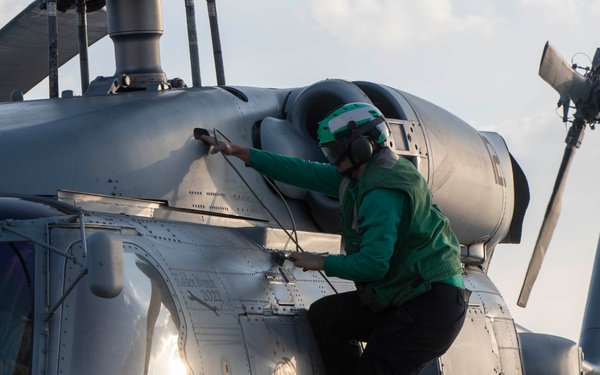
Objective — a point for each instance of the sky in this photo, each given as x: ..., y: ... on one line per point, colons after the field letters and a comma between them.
x: 478, y: 59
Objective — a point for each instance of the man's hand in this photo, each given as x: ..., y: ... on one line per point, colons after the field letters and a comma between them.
x: 308, y: 261
x: 227, y: 148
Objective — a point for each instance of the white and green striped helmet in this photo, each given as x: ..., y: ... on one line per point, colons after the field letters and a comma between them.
x: 347, y: 123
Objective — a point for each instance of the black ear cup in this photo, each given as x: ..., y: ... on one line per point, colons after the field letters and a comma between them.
x: 360, y: 150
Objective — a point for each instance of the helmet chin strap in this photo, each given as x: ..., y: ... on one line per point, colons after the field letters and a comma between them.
x: 348, y: 172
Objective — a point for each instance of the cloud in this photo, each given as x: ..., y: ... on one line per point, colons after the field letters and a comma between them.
x: 9, y: 9
x: 520, y: 130
x: 399, y: 22
x: 556, y: 11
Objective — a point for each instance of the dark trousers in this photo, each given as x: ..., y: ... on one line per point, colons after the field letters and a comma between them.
x: 400, y: 340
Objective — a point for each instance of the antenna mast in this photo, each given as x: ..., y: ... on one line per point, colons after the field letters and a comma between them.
x: 83, y: 45
x: 52, y: 49
x: 190, y: 13
x: 214, y: 33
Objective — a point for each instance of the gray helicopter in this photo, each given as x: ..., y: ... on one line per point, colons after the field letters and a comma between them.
x: 125, y: 249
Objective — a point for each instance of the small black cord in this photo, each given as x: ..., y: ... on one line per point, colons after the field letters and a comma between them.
x: 293, y: 238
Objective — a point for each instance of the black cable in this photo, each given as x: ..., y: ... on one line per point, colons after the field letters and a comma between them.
x: 295, y: 237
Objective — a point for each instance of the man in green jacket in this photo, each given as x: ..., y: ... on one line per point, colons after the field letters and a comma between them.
x: 400, y: 251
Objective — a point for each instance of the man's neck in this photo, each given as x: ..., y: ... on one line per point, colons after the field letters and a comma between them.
x: 358, y: 172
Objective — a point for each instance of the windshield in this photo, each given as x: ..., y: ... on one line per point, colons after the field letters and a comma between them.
x: 136, y: 332
x: 16, y: 307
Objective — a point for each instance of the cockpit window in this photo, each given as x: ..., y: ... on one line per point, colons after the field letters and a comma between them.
x: 137, y: 332
x: 16, y: 307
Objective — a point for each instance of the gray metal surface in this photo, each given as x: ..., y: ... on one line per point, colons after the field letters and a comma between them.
x: 488, y: 333
x: 24, y: 39
x: 211, y: 299
x: 590, y: 328
x: 205, y: 289
x: 199, y: 296
x: 134, y: 147
x: 550, y: 355
x: 150, y: 154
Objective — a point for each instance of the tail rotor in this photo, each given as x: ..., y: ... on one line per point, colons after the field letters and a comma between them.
x: 583, y: 91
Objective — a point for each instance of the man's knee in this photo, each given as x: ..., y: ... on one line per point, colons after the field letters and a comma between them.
x: 319, y: 313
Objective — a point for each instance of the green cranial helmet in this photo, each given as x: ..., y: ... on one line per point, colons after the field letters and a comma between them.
x: 347, y: 124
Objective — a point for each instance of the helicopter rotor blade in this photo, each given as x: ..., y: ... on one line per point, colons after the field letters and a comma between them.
x: 571, y: 86
x: 552, y: 212
x: 24, y: 46
x: 596, y: 60
x: 560, y: 75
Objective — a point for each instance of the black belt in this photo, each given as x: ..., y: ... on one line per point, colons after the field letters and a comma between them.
x: 442, y: 288
x: 448, y: 289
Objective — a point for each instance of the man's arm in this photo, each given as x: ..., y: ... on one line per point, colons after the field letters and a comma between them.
x: 381, y: 218
x: 319, y: 177
x: 227, y: 148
